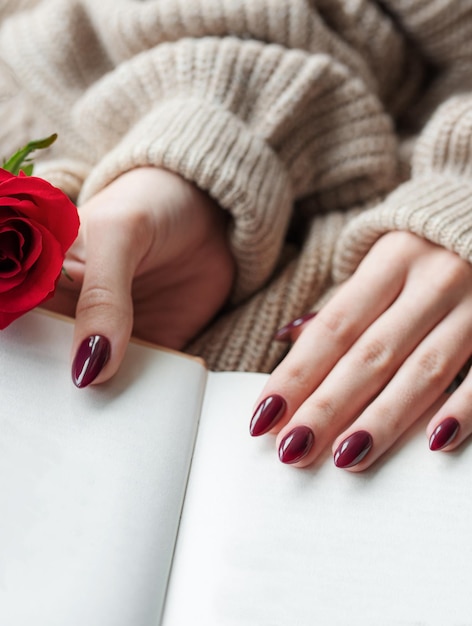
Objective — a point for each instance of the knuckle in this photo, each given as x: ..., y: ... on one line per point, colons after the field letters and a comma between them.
x: 336, y: 324
x: 375, y: 355
x: 432, y: 367
x: 452, y: 274
x: 395, y: 245
x: 119, y: 218
x: 299, y: 377
x: 325, y: 410
x: 95, y: 297
x: 401, y: 238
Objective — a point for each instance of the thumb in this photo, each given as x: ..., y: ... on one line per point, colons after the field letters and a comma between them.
x: 104, y: 314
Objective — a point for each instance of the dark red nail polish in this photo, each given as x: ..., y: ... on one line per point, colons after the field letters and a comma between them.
x: 353, y: 449
x: 91, y: 357
x: 444, y: 434
x: 267, y: 414
x: 296, y: 445
x: 285, y: 333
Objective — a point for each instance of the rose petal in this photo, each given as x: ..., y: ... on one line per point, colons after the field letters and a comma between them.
x: 38, y: 223
x: 31, y: 233
x: 30, y: 237
x: 37, y: 199
x: 13, y: 278
x: 11, y: 254
x: 6, y: 212
x: 39, y: 283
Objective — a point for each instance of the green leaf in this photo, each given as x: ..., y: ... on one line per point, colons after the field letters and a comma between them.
x: 28, y: 169
x: 20, y: 162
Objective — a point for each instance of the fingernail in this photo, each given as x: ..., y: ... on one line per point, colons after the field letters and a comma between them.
x: 91, y: 357
x: 285, y: 333
x: 353, y: 449
x: 267, y: 414
x: 444, y: 434
x: 296, y: 445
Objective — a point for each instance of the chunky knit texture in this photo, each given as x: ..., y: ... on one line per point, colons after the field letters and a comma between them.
x: 318, y: 125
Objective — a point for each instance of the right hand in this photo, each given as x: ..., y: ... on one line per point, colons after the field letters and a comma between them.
x: 376, y: 358
x: 151, y: 258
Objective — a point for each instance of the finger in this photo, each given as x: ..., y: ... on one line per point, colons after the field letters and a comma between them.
x: 291, y: 331
x: 104, y: 314
x: 452, y: 424
x: 417, y: 385
x: 334, y: 330
x: 326, y: 338
x: 360, y: 374
x: 367, y: 367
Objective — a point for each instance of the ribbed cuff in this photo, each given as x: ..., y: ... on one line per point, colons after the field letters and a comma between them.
x: 215, y: 150
x: 438, y: 209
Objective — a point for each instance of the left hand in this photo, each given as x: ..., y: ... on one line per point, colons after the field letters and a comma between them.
x: 375, y: 358
x: 152, y: 258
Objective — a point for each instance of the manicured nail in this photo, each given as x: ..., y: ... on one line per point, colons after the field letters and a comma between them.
x: 91, y: 357
x: 353, y: 449
x: 444, y: 434
x: 296, y: 445
x: 267, y: 414
x: 285, y: 333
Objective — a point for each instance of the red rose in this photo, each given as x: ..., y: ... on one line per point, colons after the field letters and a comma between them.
x: 38, y: 224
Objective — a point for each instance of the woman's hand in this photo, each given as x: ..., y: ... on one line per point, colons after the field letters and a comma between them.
x: 151, y: 258
x: 375, y: 358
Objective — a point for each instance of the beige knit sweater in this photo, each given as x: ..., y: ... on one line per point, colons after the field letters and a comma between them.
x: 318, y: 124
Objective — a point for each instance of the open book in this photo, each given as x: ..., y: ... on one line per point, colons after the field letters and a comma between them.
x: 145, y: 502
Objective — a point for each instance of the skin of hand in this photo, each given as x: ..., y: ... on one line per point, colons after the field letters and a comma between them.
x: 152, y: 258
x: 375, y: 359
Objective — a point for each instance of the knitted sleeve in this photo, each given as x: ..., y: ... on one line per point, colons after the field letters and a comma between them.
x: 441, y: 29
x: 258, y: 102
x: 436, y: 202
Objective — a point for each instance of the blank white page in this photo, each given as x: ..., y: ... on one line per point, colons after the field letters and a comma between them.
x: 91, y: 480
x: 263, y: 544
